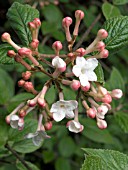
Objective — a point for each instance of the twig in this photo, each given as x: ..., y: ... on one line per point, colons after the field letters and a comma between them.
x: 17, y: 156
x: 52, y: 55
x: 86, y: 33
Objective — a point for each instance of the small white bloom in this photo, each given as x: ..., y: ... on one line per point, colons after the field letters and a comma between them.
x: 37, y: 137
x: 62, y: 109
x: 117, y: 93
x: 16, y: 122
x: 102, y: 110
x: 102, y: 124
x: 84, y: 69
x: 75, y: 126
x: 58, y: 62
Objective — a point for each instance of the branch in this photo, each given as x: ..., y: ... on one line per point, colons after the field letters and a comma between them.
x: 86, y: 33
x: 17, y: 156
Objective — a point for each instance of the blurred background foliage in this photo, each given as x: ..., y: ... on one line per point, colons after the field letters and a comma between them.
x: 63, y: 150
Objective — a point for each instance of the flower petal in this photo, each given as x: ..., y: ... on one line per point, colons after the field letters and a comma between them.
x: 83, y: 80
x: 71, y: 104
x: 75, y: 127
x: 76, y: 70
x: 37, y: 140
x: 59, y: 115
x: 55, y: 107
x: 69, y: 114
x: 92, y: 63
x: 91, y: 75
x: 80, y: 61
x: 31, y: 135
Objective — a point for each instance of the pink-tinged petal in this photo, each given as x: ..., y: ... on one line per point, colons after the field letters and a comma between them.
x: 83, y: 80
x: 58, y: 62
x: 55, y: 107
x: 58, y: 116
x: 14, y: 121
x: 76, y: 70
x: 69, y: 114
x: 80, y: 61
x: 75, y: 127
x: 91, y: 75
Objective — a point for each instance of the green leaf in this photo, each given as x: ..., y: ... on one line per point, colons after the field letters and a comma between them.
x: 92, y: 163
x: 48, y: 27
x: 22, y: 97
x: 92, y: 132
x: 20, y: 166
x: 4, y: 59
x: 112, y: 160
x: 6, y: 87
x: 116, y: 81
x: 62, y: 164
x: 100, y: 74
x: 110, y: 10
x: 48, y: 156
x: 117, y: 29
x: 19, y: 15
x: 66, y: 146
x: 122, y: 119
x: 120, y: 2
x: 3, y: 132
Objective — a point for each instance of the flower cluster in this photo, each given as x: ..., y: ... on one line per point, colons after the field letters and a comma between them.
x: 76, y: 69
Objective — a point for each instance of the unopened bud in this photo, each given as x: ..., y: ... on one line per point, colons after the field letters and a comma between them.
x: 7, y: 119
x: 34, y: 44
x: 86, y: 88
x: 31, y: 103
x: 41, y: 102
x: 71, y: 55
x: 48, y: 125
x: 116, y: 93
x: 57, y: 46
x: 24, y: 51
x: 22, y: 113
x: 31, y: 26
x: 5, y: 37
x: 66, y: 22
x: 100, y: 46
x: 104, y: 53
x: 102, y: 124
x: 11, y: 53
x: 28, y: 86
x: 102, y: 34
x: 107, y: 99
x: 75, y: 85
x: 37, y: 22
x: 79, y: 14
x: 26, y: 75
x: 81, y: 52
x: 91, y: 113
x: 21, y: 83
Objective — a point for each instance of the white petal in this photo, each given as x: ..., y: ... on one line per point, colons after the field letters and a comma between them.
x: 83, y: 80
x: 14, y: 121
x: 91, y: 76
x: 92, y: 63
x: 31, y: 135
x: 71, y: 104
x: 69, y: 114
x: 76, y: 70
x: 58, y: 116
x: 55, y: 107
x: 74, y: 127
x: 55, y: 61
x: 37, y: 140
x: 80, y: 61
x: 58, y: 62
x: 14, y: 118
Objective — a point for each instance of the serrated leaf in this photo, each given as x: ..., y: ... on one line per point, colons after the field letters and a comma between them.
x: 120, y: 2
x: 122, y: 120
x: 6, y: 87
x: 19, y: 15
x: 92, y: 163
x: 100, y: 74
x: 4, y: 59
x: 20, y: 166
x: 112, y: 160
x: 21, y: 97
x: 117, y: 29
x: 110, y: 10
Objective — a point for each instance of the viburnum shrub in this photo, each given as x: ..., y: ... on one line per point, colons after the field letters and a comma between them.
x: 78, y: 69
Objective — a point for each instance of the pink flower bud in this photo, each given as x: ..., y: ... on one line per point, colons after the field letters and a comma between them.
x: 57, y: 46
x: 104, y: 53
x: 21, y: 83
x: 20, y: 124
x: 26, y: 75
x: 103, y: 90
x: 11, y: 53
x: 71, y: 56
x: 34, y: 44
x: 66, y: 22
x: 86, y: 88
x: 102, y: 34
x: 102, y: 124
x: 24, y: 51
x: 116, y: 93
x: 41, y: 102
x: 28, y: 86
x: 31, y: 103
x: 7, y: 119
x: 100, y: 46
x: 22, y: 113
x: 79, y: 14
x: 75, y: 85
x: 31, y: 26
x: 107, y: 99
x: 68, y: 123
x: 5, y: 37
x: 91, y: 113
x: 59, y: 64
x: 81, y: 51
x: 48, y: 125
x: 37, y: 22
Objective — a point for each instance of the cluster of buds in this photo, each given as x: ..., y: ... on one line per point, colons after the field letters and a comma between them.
x: 75, y: 69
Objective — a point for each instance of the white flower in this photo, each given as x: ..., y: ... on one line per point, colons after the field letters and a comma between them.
x: 59, y: 63
x: 37, y: 137
x: 62, y: 109
x: 16, y: 122
x: 75, y: 126
x: 84, y: 69
x: 102, y: 110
